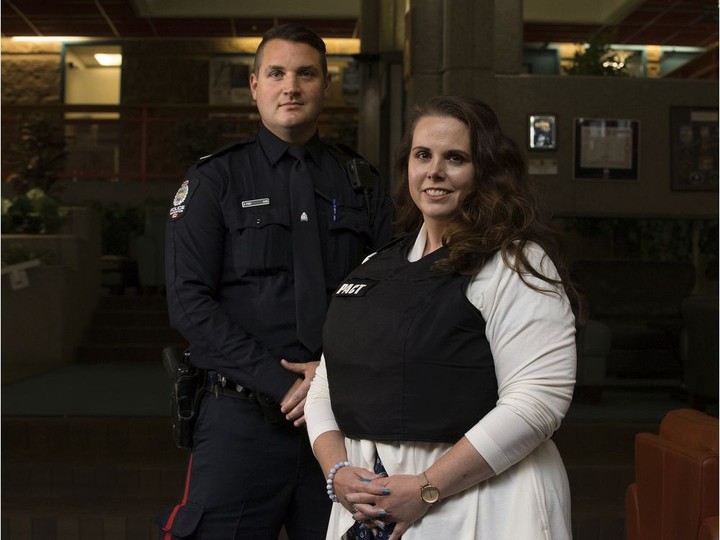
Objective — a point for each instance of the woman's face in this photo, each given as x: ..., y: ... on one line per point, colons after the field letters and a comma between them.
x: 440, y: 167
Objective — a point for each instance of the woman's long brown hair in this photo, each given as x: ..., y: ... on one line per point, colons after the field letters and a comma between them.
x: 501, y: 213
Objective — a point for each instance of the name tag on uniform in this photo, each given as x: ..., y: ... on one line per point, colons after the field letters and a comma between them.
x: 355, y: 287
x: 255, y: 202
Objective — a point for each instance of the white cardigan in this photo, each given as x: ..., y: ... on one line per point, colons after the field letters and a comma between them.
x: 532, y: 338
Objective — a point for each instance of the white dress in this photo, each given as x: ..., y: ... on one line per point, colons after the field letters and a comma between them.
x: 532, y: 338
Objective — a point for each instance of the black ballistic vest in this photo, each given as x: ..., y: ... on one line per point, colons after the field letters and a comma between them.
x: 406, y: 352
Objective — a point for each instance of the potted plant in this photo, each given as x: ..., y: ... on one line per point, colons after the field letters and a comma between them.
x: 35, y: 161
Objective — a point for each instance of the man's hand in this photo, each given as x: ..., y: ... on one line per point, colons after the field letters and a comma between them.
x: 293, y: 404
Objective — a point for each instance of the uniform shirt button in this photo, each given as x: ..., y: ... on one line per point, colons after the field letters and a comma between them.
x: 258, y: 221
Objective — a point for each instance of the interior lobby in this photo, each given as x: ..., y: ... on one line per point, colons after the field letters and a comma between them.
x: 105, y: 103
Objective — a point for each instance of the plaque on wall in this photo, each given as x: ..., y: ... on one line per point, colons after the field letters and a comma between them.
x: 229, y: 80
x: 694, y: 148
x: 542, y: 132
x: 606, y: 149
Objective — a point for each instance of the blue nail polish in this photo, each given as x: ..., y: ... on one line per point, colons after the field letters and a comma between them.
x: 382, y: 513
x: 386, y: 491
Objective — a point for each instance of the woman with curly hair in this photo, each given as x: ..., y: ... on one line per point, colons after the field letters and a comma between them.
x: 449, y: 355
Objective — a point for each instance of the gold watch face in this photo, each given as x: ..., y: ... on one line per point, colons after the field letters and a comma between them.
x: 430, y: 494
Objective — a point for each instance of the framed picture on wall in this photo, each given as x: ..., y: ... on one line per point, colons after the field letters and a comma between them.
x: 694, y: 148
x: 229, y: 80
x: 606, y: 149
x: 542, y: 134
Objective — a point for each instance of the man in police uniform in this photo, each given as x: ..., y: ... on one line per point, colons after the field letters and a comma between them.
x: 232, y: 270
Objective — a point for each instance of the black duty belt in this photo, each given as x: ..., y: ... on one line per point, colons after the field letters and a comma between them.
x: 219, y: 385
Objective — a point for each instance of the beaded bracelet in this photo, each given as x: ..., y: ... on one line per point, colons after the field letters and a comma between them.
x: 331, y: 477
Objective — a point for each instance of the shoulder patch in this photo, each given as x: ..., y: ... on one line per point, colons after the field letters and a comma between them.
x: 181, y: 199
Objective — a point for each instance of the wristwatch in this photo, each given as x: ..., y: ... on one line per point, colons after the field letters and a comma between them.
x: 428, y: 493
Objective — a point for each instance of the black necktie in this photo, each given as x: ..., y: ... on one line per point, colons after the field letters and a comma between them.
x: 309, y: 274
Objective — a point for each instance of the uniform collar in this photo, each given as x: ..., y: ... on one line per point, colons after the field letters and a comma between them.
x: 275, y: 148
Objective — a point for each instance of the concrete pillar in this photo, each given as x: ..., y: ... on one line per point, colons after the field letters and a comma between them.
x: 381, y: 98
x: 508, y: 37
x: 458, y: 46
x: 423, y: 50
x: 414, y: 49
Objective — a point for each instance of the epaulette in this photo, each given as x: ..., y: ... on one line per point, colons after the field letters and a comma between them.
x: 224, y: 150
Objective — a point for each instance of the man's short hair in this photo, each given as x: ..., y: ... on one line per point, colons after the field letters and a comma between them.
x: 296, y: 33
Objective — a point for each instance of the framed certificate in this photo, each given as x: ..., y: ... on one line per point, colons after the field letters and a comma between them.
x: 606, y: 149
x: 694, y: 148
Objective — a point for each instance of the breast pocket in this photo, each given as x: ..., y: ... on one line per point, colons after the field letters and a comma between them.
x: 260, y: 241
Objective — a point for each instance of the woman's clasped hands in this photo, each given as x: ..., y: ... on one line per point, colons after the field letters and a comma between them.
x: 374, y: 500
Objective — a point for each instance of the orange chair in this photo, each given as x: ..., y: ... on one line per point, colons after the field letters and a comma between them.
x: 675, y: 494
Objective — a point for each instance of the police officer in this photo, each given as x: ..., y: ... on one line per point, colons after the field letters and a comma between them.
x: 236, y: 267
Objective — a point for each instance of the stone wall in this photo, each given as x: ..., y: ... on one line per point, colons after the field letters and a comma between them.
x: 31, y: 73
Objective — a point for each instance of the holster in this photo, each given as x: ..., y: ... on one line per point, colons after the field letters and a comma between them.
x: 187, y: 388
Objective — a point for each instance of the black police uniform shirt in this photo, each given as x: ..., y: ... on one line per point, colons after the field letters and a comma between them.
x: 228, y: 259
x: 409, y: 333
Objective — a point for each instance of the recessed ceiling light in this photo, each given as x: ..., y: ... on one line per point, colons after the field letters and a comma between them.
x: 108, y: 59
x: 49, y: 38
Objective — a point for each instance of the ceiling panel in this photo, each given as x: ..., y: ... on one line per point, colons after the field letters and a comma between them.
x: 661, y: 22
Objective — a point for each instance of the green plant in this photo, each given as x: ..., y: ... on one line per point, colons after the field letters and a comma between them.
x: 35, y: 160
x: 598, y: 58
x: 14, y: 253
x: 37, y: 157
x: 33, y: 212
x: 121, y: 223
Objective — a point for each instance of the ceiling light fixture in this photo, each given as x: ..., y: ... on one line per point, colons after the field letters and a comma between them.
x: 105, y: 59
x: 40, y: 39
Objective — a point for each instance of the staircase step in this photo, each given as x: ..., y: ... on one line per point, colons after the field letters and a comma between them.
x: 131, y: 310
x: 124, y: 317
x: 122, y: 352
x: 133, y: 302
x: 128, y: 328
x: 118, y: 335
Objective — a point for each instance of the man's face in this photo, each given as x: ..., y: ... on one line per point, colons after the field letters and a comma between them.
x: 290, y: 89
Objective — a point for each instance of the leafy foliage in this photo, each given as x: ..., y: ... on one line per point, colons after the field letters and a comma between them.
x: 35, y: 161
x: 33, y: 212
x: 38, y: 156
x: 598, y: 58
x: 121, y: 223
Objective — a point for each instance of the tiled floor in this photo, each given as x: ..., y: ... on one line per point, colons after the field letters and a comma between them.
x: 87, y: 452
